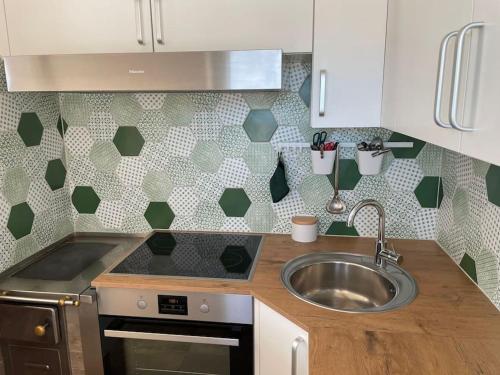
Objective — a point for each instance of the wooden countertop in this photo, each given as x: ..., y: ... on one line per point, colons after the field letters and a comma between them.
x: 451, y: 327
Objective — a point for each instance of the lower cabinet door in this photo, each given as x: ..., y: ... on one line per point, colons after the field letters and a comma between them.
x: 281, y: 347
x: 33, y: 361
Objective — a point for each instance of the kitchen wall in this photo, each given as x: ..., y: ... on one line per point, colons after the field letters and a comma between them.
x: 469, y: 219
x: 203, y: 162
x: 34, y: 199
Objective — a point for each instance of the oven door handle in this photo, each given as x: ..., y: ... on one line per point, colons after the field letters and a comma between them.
x: 174, y: 338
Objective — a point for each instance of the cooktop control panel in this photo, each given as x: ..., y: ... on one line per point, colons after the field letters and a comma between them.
x: 174, y: 305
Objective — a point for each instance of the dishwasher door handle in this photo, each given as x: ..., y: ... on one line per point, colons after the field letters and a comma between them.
x: 173, y: 338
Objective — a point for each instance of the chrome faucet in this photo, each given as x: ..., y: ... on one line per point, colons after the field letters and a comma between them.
x: 382, y: 253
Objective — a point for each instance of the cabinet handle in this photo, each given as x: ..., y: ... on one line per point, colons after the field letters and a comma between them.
x: 322, y: 92
x: 159, y: 27
x: 138, y: 22
x: 295, y: 348
x: 457, y: 75
x: 440, y: 80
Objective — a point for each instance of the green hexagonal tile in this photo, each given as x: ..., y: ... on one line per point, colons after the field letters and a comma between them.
x: 128, y: 140
x: 30, y: 129
x: 340, y: 228
x: 85, y: 199
x: 349, y: 175
x: 159, y: 215
x: 207, y: 156
x: 126, y: 110
x: 493, y: 184
x: 428, y: 192
x: 62, y: 126
x: 406, y: 153
x: 469, y: 266
x: 260, y: 125
x: 234, y: 202
x: 179, y: 109
x: 55, y: 175
x: 20, y: 220
x: 157, y: 186
x: 305, y: 91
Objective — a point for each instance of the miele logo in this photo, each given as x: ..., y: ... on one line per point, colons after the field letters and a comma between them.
x: 136, y: 71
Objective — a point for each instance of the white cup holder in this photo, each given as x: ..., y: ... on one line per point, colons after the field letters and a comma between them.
x: 369, y: 165
x: 323, y: 165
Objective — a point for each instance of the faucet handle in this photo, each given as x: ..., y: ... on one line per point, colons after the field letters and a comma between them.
x: 391, y: 255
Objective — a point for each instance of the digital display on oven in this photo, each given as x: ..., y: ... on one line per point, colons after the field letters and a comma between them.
x: 175, y: 305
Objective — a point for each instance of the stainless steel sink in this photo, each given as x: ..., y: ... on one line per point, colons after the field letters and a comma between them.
x: 348, y: 282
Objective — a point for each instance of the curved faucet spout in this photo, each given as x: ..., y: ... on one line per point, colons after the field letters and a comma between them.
x: 381, y: 253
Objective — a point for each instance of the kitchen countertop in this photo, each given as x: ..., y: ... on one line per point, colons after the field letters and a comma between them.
x: 451, y: 327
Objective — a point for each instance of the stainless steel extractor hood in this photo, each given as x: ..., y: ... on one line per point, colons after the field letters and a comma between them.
x: 168, y: 71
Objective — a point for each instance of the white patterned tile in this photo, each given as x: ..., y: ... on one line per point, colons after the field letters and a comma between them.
x: 131, y: 171
x: 78, y: 141
x: 425, y: 223
x: 151, y: 100
x: 110, y: 214
x: 289, y: 206
x: 183, y: 201
x: 233, y: 173
x: 180, y: 141
x: 232, y: 109
x: 404, y: 175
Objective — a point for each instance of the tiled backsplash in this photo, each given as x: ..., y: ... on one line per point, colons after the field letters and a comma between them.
x: 469, y: 219
x: 203, y: 161
x: 34, y: 201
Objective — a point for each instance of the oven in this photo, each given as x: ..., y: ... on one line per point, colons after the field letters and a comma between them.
x: 148, y: 332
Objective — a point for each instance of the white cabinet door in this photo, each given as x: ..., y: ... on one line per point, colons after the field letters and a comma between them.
x: 278, y: 343
x: 349, y: 46
x: 4, y: 42
x: 215, y: 25
x: 415, y: 30
x: 78, y: 26
x: 483, y: 88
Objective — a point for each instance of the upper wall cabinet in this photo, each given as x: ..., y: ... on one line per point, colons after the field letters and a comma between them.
x: 4, y: 42
x: 212, y: 25
x: 113, y: 26
x: 75, y: 26
x: 442, y: 81
x: 482, y: 109
x: 415, y: 31
x: 348, y: 63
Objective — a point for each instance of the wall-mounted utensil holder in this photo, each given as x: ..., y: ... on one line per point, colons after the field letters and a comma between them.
x: 322, y: 161
x: 368, y: 163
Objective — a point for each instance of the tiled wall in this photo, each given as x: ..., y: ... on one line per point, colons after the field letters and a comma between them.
x: 34, y: 200
x: 469, y: 219
x: 203, y: 161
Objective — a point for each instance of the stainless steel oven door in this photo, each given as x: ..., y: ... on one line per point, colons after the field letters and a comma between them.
x: 153, y: 346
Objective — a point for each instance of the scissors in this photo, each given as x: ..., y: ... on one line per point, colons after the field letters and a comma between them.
x: 319, y: 139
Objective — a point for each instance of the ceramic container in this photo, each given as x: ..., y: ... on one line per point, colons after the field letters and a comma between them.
x: 304, y: 228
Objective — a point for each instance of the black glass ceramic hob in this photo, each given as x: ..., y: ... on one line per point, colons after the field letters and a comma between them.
x: 194, y: 254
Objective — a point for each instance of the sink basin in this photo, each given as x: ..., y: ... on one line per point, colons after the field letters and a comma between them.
x: 348, y: 282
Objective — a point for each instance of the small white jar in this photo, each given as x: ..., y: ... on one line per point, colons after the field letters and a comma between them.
x: 304, y: 228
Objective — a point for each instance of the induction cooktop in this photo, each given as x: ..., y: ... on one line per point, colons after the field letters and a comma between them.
x: 194, y: 254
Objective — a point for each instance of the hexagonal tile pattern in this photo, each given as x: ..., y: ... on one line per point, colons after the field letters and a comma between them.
x: 62, y: 126
x: 233, y: 141
x: 105, y: 156
x: 16, y: 185
x: 348, y: 175
x: 20, y: 220
x: 126, y: 111
x: 30, y: 129
x: 403, y: 175
x: 75, y: 109
x: 183, y: 200
x: 159, y: 215
x: 78, y: 141
x: 207, y: 156
x: 428, y: 191
x: 288, y: 109
x: 233, y: 173
x: 85, y: 199
x: 180, y: 141
x: 235, y: 202
x: 179, y: 109
x: 261, y: 158
x: 232, y: 110
x: 260, y: 100
x: 55, y: 174
x: 128, y: 140
x: 493, y: 184
x: 157, y: 186
x: 340, y: 228
x: 305, y: 91
x: 260, y: 125
x: 406, y: 153
x: 469, y: 266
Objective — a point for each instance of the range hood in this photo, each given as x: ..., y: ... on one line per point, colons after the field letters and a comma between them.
x: 162, y: 71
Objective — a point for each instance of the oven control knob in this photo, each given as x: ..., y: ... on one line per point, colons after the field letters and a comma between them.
x: 204, y: 308
x: 142, y: 304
